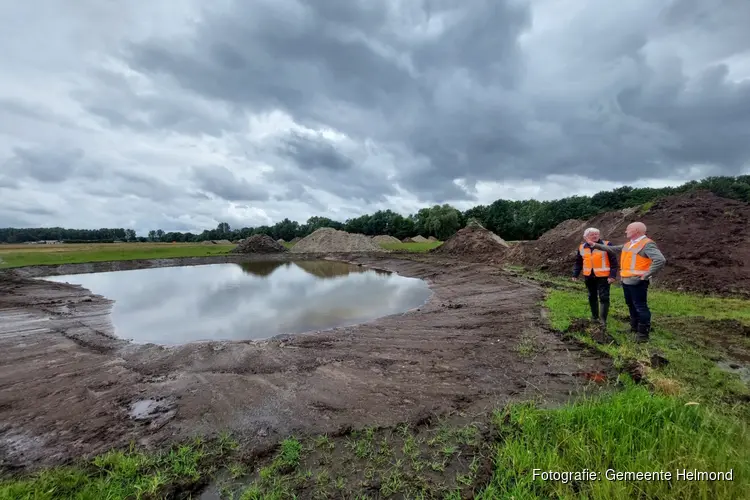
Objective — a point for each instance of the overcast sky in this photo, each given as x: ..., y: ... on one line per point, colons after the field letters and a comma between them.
x: 179, y: 114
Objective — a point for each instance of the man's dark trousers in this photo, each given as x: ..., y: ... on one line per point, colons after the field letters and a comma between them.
x: 636, y: 297
x: 598, y: 288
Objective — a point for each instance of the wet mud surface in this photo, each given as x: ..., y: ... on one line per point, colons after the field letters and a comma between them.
x: 69, y: 388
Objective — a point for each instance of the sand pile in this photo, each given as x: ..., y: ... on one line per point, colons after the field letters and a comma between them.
x: 384, y: 238
x: 259, y: 243
x: 327, y: 239
x: 705, y: 238
x: 222, y: 242
x: 432, y: 239
x: 419, y: 239
x: 474, y: 243
x: 280, y: 241
x: 295, y: 239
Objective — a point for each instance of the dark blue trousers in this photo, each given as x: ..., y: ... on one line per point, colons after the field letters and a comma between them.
x: 636, y: 297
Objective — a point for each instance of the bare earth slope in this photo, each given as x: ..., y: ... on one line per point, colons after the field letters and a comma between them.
x: 67, y: 388
x: 705, y: 238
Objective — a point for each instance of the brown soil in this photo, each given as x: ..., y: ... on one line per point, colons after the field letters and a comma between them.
x: 384, y: 238
x: 295, y: 239
x: 327, y: 239
x: 69, y: 388
x: 476, y: 244
x: 705, y: 238
x: 259, y: 243
x: 419, y: 239
x: 432, y: 238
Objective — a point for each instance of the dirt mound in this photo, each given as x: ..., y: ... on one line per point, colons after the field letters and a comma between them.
x: 474, y: 243
x: 419, y: 239
x: 432, y: 239
x: 384, y: 238
x: 222, y: 242
x: 295, y: 239
x: 705, y: 238
x: 327, y: 239
x: 280, y: 241
x: 259, y: 243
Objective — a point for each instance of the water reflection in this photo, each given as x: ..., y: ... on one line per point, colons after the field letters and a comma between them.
x: 174, y: 305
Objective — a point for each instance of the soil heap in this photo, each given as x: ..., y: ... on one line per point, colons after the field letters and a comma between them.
x: 384, y: 238
x: 329, y: 240
x: 432, y: 239
x: 474, y: 243
x: 295, y: 239
x: 705, y: 238
x: 419, y: 239
x: 280, y: 241
x: 259, y: 243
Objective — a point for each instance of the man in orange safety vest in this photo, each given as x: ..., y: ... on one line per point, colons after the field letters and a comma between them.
x: 599, y: 270
x: 640, y: 259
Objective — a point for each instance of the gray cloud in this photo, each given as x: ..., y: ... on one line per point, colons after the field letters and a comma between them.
x: 314, y: 153
x: 49, y: 165
x: 221, y: 182
x: 461, y: 98
x: 339, y: 107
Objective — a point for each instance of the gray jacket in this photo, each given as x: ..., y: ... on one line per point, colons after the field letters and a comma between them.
x: 650, y: 250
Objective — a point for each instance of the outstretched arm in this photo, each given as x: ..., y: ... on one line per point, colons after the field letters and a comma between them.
x: 609, y: 248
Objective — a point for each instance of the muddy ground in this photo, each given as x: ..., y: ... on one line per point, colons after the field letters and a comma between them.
x: 69, y: 388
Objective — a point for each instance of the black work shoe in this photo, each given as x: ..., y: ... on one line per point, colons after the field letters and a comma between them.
x: 642, y: 336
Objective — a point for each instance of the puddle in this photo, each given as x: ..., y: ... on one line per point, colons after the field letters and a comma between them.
x: 248, y: 301
x: 742, y: 370
x: 150, y: 409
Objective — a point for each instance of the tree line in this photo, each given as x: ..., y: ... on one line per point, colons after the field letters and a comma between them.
x: 512, y: 220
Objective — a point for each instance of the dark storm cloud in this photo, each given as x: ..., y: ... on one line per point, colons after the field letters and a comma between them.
x: 113, y: 99
x: 449, y: 82
x: 221, y: 182
x: 313, y: 153
x: 49, y: 164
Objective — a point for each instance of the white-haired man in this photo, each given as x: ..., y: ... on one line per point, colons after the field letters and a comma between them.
x: 599, y: 270
x: 640, y: 259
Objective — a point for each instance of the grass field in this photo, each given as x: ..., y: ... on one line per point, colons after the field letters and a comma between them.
x: 412, y: 247
x: 689, y: 414
x: 35, y: 255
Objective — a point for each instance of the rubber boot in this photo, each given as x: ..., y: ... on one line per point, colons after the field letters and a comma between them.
x: 643, y: 333
x: 633, y: 325
x: 603, y: 313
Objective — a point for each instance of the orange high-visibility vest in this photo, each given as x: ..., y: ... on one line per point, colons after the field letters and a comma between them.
x: 632, y: 264
x: 594, y: 260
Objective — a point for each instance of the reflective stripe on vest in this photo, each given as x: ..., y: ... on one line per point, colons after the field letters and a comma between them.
x: 632, y: 264
x: 596, y: 260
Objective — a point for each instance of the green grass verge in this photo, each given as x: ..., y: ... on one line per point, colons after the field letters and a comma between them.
x: 693, y: 332
x: 125, y: 474
x: 631, y: 431
x: 102, y: 253
x: 412, y: 247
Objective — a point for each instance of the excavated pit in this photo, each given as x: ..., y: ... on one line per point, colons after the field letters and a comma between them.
x: 70, y: 388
